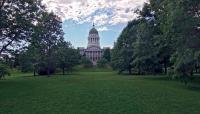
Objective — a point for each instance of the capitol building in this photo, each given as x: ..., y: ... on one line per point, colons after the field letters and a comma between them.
x: 93, y: 50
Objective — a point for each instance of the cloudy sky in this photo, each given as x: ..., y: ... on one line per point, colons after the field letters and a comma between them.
x: 109, y: 16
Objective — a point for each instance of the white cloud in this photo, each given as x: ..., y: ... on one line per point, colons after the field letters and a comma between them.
x: 101, y: 12
x: 102, y: 29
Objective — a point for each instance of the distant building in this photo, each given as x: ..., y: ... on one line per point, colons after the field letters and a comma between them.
x: 93, y: 50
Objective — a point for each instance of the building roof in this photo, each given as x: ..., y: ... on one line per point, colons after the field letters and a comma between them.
x: 93, y: 31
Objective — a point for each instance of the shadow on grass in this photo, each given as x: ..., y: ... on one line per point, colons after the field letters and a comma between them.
x: 194, y: 87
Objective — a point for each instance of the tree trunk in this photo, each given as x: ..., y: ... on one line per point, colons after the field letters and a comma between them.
x: 196, y: 68
x: 139, y: 71
x: 48, y: 72
x: 165, y: 66
x: 191, y: 73
x: 63, y: 69
x: 120, y: 71
x: 129, y: 70
x: 5, y: 46
x: 9, y: 43
x: 34, y: 73
x: 48, y: 61
x: 48, y: 68
x: 34, y: 70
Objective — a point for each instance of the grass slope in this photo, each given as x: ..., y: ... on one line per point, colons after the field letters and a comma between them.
x: 105, y: 92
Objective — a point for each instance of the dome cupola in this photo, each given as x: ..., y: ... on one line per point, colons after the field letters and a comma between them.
x: 93, y: 38
x: 93, y: 30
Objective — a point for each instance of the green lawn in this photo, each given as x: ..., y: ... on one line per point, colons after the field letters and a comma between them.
x: 97, y: 92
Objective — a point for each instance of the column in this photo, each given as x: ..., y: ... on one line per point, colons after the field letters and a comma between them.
x: 98, y: 55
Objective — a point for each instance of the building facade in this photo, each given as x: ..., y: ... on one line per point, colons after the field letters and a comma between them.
x: 93, y: 50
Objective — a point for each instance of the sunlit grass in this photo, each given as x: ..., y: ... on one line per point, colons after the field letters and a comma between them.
x: 99, y: 92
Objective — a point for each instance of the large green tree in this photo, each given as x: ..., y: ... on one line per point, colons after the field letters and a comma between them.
x: 17, y: 20
x: 67, y: 57
x: 179, y: 23
x: 48, y: 33
x: 123, y: 48
x: 145, y: 52
x: 107, y: 54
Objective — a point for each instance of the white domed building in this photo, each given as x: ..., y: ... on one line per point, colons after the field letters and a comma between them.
x: 93, y: 50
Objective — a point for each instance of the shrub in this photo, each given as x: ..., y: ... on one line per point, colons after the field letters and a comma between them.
x: 102, y: 63
x: 43, y: 69
x: 86, y: 62
x: 4, y: 70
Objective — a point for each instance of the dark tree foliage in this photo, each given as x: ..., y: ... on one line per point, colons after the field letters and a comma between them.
x: 107, y: 54
x: 17, y: 21
x: 34, y: 38
x: 67, y: 57
x: 145, y: 51
x: 166, y: 36
x: 49, y: 33
x: 86, y: 62
x: 102, y: 63
x: 179, y: 23
x: 25, y: 62
x: 45, y: 55
x: 123, y: 49
x: 4, y: 70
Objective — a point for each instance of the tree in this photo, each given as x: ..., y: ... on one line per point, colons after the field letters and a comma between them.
x: 136, y: 47
x: 184, y: 66
x: 145, y: 52
x: 25, y: 61
x: 4, y: 70
x: 67, y: 56
x: 17, y: 21
x: 107, y: 54
x: 123, y: 50
x: 40, y: 55
x: 48, y: 34
x: 179, y: 23
x: 197, y: 61
x: 36, y: 35
x: 166, y: 35
x: 86, y: 62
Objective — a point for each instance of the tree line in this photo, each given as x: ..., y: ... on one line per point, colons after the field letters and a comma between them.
x: 32, y: 39
x: 165, y: 38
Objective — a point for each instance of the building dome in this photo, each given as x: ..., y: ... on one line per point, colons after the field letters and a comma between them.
x: 93, y: 51
x: 93, y: 31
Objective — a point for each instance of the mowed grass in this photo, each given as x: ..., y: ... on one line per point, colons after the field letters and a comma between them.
x: 100, y: 92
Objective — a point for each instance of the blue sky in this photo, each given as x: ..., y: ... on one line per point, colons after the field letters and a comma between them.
x: 77, y: 34
x: 109, y: 16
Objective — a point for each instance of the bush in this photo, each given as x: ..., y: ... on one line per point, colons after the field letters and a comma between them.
x: 43, y: 69
x: 4, y: 70
x: 184, y: 67
x: 86, y: 62
x: 171, y: 73
x: 102, y: 63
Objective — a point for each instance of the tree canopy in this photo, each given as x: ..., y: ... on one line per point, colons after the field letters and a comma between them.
x: 33, y: 38
x: 165, y: 36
